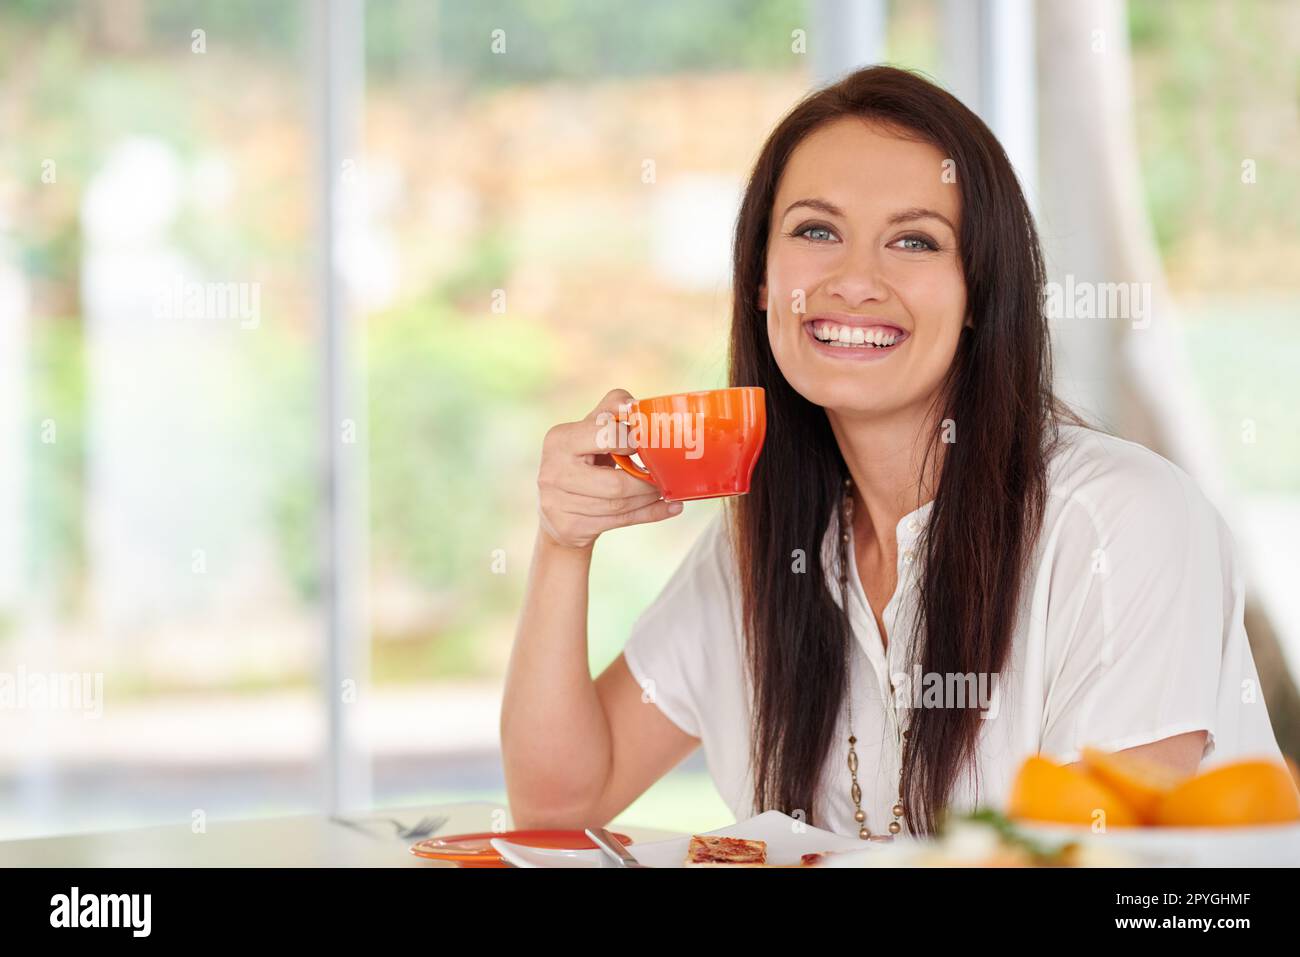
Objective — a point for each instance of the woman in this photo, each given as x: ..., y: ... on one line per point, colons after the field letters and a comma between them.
x: 1015, y: 582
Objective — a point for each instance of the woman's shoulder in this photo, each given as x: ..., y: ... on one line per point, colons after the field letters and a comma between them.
x: 1123, y: 484
x: 1086, y: 459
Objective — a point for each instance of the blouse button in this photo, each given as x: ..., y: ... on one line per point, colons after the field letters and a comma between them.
x: 909, y: 556
x: 913, y: 525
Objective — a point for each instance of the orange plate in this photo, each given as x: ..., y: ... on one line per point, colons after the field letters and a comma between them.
x: 474, y: 850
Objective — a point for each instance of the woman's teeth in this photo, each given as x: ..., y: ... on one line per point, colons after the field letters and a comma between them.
x: 853, y: 336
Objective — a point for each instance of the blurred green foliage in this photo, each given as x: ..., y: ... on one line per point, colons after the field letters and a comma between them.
x: 1203, y: 108
x: 57, y: 458
x: 549, y: 39
x: 545, y: 39
x: 449, y: 403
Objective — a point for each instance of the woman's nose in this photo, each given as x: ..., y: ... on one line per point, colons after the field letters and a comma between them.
x: 857, y: 278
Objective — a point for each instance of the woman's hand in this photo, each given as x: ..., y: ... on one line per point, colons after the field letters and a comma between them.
x: 581, y: 493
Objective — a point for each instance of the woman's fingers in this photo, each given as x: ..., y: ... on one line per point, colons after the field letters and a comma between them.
x: 588, y: 438
x: 615, y: 400
x: 597, y: 507
x: 654, y: 512
x: 601, y: 432
x: 581, y: 492
x: 600, y: 481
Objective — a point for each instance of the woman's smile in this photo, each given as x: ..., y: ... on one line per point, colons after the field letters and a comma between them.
x: 854, y: 338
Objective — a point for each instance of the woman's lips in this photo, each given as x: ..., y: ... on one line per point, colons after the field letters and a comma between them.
x: 854, y: 352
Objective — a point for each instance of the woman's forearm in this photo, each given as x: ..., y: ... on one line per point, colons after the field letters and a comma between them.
x: 555, y: 740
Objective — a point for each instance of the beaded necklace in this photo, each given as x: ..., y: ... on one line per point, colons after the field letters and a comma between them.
x: 895, y: 826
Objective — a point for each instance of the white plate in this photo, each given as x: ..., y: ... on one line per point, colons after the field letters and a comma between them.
x: 786, y: 839
x: 1276, y: 845
x: 1273, y: 846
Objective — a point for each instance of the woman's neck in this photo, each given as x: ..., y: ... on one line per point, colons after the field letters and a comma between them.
x: 885, y: 457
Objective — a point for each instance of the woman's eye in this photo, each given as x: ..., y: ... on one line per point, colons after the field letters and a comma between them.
x: 918, y: 244
x: 804, y: 232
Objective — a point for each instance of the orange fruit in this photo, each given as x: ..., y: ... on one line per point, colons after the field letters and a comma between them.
x: 1140, y: 782
x: 1233, y: 795
x: 1046, y: 791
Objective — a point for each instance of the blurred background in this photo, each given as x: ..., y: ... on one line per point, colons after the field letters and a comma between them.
x: 290, y: 292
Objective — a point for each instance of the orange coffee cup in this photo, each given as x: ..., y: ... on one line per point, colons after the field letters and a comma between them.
x: 697, y: 444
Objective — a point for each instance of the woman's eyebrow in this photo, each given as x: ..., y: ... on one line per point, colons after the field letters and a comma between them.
x: 919, y: 212
x: 902, y: 216
x: 825, y: 206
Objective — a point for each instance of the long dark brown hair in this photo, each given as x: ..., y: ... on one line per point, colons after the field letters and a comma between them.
x: 989, y: 500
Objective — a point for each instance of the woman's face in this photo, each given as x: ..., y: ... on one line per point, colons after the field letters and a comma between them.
x: 863, y: 250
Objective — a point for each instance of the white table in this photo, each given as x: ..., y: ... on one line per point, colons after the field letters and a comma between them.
x: 309, y: 840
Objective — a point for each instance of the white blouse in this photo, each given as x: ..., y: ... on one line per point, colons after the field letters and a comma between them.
x: 1130, y: 629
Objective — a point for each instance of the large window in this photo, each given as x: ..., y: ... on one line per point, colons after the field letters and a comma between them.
x: 502, y: 210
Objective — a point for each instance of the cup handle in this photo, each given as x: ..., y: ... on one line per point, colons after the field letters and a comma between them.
x: 632, y: 468
x: 625, y: 461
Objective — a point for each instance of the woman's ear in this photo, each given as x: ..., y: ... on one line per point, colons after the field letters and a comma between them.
x: 762, y: 297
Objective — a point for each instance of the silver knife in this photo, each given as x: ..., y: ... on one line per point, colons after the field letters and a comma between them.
x: 613, y: 847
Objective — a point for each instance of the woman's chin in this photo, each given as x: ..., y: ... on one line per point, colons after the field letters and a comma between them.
x: 855, y: 399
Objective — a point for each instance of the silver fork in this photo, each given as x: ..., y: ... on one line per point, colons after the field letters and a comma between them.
x: 423, y: 828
